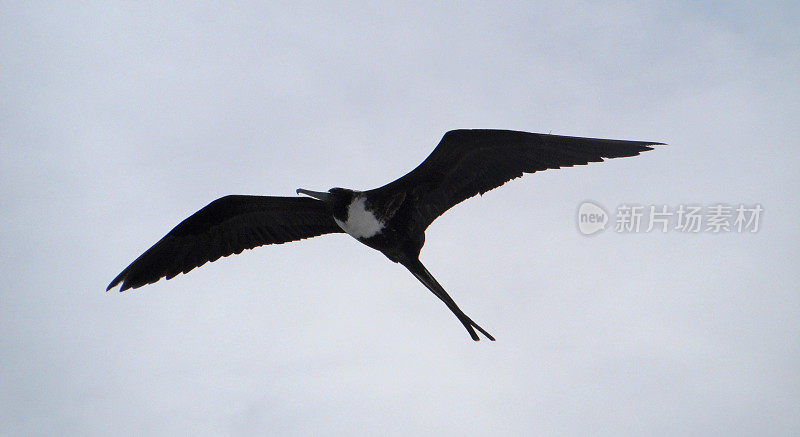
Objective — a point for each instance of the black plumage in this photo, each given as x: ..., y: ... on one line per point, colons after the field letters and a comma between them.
x: 471, y: 162
x: 391, y: 219
x: 226, y: 226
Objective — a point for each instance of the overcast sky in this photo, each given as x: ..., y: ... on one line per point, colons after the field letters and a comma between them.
x: 118, y: 120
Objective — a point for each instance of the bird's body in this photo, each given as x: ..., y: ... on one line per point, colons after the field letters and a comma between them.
x: 359, y: 221
x: 391, y: 219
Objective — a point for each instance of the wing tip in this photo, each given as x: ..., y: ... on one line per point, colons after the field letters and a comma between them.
x: 124, y: 279
x: 115, y: 282
x: 647, y: 146
x: 636, y: 149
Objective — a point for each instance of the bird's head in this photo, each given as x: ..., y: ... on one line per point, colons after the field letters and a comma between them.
x: 338, y: 199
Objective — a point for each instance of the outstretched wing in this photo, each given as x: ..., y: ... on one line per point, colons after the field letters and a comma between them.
x: 470, y: 162
x: 227, y: 225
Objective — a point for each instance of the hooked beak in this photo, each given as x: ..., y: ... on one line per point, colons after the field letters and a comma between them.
x: 319, y: 195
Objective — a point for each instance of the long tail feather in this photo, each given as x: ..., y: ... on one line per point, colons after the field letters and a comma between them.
x: 424, y: 276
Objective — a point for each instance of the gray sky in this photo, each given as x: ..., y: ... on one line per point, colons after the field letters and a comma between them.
x: 120, y: 120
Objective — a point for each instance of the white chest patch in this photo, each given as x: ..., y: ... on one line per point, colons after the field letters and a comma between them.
x: 361, y: 222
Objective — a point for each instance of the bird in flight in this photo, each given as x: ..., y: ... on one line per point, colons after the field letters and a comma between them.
x: 391, y: 219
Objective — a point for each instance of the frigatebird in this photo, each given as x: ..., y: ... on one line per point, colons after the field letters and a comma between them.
x: 391, y: 219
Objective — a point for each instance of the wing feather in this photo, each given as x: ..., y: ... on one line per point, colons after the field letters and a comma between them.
x: 227, y: 226
x: 471, y: 162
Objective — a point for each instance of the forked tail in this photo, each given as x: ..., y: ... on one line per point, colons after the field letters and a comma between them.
x: 424, y: 276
